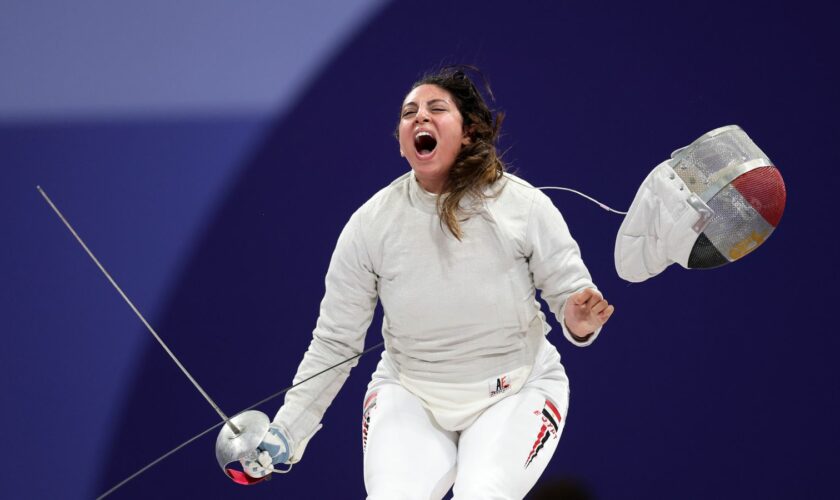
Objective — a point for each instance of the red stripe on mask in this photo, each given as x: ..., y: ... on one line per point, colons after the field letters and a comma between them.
x: 764, y: 190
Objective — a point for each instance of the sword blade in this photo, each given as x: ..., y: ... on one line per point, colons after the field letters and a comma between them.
x: 137, y: 312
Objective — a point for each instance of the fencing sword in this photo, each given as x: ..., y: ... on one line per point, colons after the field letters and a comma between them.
x: 246, y: 431
x: 200, y: 389
x: 219, y: 424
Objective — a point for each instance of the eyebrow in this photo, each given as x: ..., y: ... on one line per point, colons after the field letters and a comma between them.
x: 429, y: 102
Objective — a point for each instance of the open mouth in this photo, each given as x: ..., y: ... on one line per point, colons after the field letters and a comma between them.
x: 424, y: 143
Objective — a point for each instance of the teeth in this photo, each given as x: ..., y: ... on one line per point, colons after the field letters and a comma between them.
x: 424, y: 142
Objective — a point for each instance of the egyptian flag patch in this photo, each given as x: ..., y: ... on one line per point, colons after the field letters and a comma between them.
x: 550, y: 421
x: 370, y: 404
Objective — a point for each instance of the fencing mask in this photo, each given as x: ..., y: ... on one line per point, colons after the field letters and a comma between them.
x: 713, y: 202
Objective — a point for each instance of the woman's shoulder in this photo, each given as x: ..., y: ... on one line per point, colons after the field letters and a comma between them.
x: 512, y: 188
x: 518, y: 183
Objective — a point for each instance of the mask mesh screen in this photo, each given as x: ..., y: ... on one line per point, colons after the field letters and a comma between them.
x: 704, y: 255
x: 697, y: 164
x: 764, y: 189
x: 742, y: 210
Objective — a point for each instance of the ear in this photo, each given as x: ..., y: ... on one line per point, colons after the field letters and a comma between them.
x: 402, y: 153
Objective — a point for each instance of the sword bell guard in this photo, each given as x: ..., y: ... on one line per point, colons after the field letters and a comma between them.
x: 232, y: 447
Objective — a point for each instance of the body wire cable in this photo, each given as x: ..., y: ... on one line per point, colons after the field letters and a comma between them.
x: 593, y: 200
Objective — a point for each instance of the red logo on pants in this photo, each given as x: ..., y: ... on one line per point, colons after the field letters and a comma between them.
x: 550, y: 418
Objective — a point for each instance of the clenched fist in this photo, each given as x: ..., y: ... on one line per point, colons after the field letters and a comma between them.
x: 586, y: 311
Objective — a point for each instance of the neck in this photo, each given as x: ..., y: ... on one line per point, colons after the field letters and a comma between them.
x: 431, y: 185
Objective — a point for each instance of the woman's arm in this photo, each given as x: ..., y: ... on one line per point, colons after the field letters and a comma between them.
x: 345, y: 314
x: 560, y: 274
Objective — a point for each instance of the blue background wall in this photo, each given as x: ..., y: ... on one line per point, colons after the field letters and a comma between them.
x: 209, y: 153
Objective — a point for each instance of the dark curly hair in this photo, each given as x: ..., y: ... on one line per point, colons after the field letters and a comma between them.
x: 478, y: 164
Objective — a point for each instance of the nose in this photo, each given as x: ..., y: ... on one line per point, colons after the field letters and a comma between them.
x: 421, y: 116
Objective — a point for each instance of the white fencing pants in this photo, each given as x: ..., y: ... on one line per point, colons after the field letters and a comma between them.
x: 499, y: 457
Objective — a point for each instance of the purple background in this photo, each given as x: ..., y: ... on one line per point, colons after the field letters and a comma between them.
x: 210, y: 153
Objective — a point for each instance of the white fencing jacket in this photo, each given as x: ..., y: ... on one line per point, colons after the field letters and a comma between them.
x: 455, y: 312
